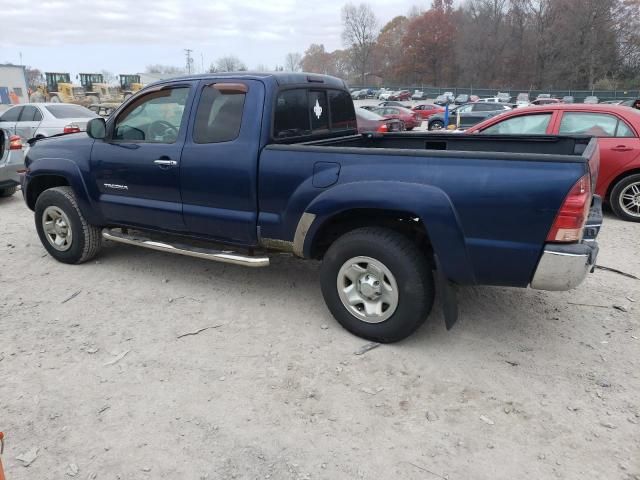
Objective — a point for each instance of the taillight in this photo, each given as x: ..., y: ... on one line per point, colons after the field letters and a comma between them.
x: 15, y: 143
x: 569, y: 223
x: 71, y: 128
x: 383, y: 128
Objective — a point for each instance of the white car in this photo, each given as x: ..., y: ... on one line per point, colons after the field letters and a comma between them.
x: 39, y: 120
x: 489, y: 100
x: 385, y: 95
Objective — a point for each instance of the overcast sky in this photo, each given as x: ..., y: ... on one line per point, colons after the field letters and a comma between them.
x: 124, y: 36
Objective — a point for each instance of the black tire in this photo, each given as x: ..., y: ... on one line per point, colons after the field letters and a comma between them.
x: 407, y: 263
x: 7, y: 192
x: 86, y: 239
x: 625, y: 186
x: 436, y: 125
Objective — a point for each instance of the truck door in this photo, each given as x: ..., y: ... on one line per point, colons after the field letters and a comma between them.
x: 136, y: 167
x: 218, y: 170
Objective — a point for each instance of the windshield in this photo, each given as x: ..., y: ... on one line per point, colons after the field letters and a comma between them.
x: 70, y: 111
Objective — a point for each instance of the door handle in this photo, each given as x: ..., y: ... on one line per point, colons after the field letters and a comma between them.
x: 165, y: 163
x: 621, y: 148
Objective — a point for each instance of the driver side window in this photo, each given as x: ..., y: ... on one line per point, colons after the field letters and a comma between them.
x: 153, y: 118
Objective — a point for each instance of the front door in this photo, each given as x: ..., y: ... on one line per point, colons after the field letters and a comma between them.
x: 136, y: 168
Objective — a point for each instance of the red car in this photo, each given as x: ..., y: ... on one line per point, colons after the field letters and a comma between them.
x: 372, y: 122
x: 425, y: 110
x: 401, y: 95
x: 617, y: 129
x: 410, y: 118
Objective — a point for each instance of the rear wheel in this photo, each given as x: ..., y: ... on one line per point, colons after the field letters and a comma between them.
x: 63, y: 230
x: 54, y: 99
x: 377, y: 284
x: 625, y: 198
x: 7, y: 192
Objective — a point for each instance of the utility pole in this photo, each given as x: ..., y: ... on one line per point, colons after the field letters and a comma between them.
x: 187, y: 52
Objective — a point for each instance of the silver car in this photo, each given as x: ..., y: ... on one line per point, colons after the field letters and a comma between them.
x: 38, y: 120
x: 11, y: 160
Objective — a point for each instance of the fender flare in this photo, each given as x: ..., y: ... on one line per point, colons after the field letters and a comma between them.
x: 69, y: 170
x: 428, y: 203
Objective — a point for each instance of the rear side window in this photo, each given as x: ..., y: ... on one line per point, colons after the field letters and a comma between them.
x: 219, y: 114
x: 522, y: 125
x: 30, y: 114
x: 11, y: 115
x: 596, y: 124
x: 302, y: 112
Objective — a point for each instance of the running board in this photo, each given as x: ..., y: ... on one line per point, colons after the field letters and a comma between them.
x: 224, y: 256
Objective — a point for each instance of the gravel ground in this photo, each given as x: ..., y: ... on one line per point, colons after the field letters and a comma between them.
x: 96, y: 383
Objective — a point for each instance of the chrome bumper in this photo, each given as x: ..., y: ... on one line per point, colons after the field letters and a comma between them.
x: 562, y: 266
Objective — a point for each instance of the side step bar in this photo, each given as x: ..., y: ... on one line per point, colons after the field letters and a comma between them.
x: 224, y: 256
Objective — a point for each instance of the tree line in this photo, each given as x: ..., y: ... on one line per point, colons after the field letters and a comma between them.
x: 533, y: 44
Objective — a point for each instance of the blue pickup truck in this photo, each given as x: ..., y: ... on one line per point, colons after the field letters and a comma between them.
x: 233, y: 167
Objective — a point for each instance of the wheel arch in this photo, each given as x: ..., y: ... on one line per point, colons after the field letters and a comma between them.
x: 56, y: 172
x: 617, y: 179
x: 423, y: 212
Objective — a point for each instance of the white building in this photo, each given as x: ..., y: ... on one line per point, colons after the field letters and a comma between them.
x: 13, y: 85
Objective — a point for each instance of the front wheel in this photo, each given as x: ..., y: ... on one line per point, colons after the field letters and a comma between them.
x: 63, y: 230
x: 625, y: 198
x: 378, y: 284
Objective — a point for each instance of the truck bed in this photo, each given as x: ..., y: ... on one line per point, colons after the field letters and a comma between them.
x: 502, y: 192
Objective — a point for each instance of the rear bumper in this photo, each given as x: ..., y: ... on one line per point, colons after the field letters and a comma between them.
x: 565, y: 266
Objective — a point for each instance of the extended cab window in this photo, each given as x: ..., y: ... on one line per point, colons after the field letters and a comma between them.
x: 153, y: 118
x: 596, y: 124
x: 522, y: 125
x: 219, y: 113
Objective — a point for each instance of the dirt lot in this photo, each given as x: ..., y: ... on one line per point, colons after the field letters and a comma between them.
x: 95, y: 379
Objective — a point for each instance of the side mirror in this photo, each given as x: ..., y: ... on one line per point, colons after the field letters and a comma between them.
x: 97, y: 128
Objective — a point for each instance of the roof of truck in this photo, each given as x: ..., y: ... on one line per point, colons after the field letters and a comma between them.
x: 281, y: 78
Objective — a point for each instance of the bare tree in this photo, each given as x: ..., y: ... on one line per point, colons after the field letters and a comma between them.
x: 230, y: 63
x: 158, y: 68
x: 293, y: 62
x: 359, y: 34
